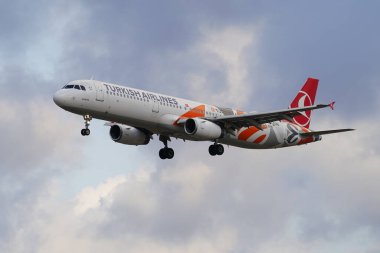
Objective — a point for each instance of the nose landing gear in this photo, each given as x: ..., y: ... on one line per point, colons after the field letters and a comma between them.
x: 86, y: 131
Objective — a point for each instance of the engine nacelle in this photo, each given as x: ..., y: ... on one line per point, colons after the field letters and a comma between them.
x: 203, y: 129
x: 128, y: 135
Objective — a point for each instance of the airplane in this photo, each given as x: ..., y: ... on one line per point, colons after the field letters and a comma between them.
x: 135, y: 115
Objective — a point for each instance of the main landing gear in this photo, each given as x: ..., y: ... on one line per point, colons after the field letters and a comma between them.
x: 166, y: 153
x: 216, y: 149
x: 86, y: 131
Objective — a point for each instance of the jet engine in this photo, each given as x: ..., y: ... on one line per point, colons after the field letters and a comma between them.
x: 203, y: 129
x: 128, y: 135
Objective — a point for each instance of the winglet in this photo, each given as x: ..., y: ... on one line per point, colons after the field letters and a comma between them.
x: 332, y: 105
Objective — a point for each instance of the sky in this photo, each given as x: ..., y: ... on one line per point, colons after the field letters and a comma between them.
x: 61, y: 192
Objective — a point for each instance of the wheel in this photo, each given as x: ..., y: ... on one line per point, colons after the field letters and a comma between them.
x: 166, y: 153
x: 219, y: 149
x: 169, y: 153
x: 212, y: 150
x: 87, y: 131
x: 83, y: 133
x: 162, y: 153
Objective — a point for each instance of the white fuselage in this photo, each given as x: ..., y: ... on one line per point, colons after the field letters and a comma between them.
x: 161, y: 114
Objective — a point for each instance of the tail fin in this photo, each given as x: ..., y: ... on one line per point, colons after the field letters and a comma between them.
x: 305, y: 97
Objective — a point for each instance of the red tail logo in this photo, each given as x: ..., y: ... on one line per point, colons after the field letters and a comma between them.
x: 305, y: 97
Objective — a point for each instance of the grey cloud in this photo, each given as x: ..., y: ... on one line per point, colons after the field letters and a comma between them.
x: 307, y: 192
x: 29, y: 47
x: 30, y: 155
x: 141, y: 43
x: 252, y: 195
x: 335, y: 43
x: 20, y: 24
x: 140, y: 38
x: 134, y: 43
x: 20, y: 83
x: 33, y: 133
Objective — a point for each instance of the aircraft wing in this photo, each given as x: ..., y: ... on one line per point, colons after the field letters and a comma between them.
x: 256, y: 119
x: 314, y: 133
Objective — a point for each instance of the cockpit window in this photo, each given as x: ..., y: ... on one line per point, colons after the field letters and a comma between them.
x: 76, y: 86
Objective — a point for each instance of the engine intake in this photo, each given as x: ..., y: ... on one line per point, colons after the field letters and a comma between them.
x: 203, y: 129
x: 128, y: 135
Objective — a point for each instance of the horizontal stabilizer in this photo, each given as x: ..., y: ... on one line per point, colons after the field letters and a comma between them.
x: 314, y: 133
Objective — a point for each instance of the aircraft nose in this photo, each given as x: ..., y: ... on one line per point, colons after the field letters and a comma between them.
x: 58, y: 98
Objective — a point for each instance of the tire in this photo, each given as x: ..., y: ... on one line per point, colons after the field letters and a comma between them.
x: 162, y: 154
x: 219, y: 149
x: 212, y: 150
x: 87, y: 131
x: 83, y: 132
x: 169, y: 153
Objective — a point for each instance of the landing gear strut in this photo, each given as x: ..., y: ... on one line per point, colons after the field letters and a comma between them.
x: 216, y: 149
x: 166, y: 153
x: 86, y: 131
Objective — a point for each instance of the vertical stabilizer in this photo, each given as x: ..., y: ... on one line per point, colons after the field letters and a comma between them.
x: 305, y: 97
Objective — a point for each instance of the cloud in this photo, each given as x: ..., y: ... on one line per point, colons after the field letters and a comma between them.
x: 34, y: 45
x: 308, y: 199
x: 36, y: 146
x: 91, y: 197
x: 223, y: 50
x: 60, y: 227
x: 35, y: 134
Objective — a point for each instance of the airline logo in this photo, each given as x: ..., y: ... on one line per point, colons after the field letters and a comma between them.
x: 302, y: 99
x: 305, y: 97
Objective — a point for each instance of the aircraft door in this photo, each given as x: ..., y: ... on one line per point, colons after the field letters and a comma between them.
x: 101, y: 103
x: 156, y: 106
x: 99, y: 92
